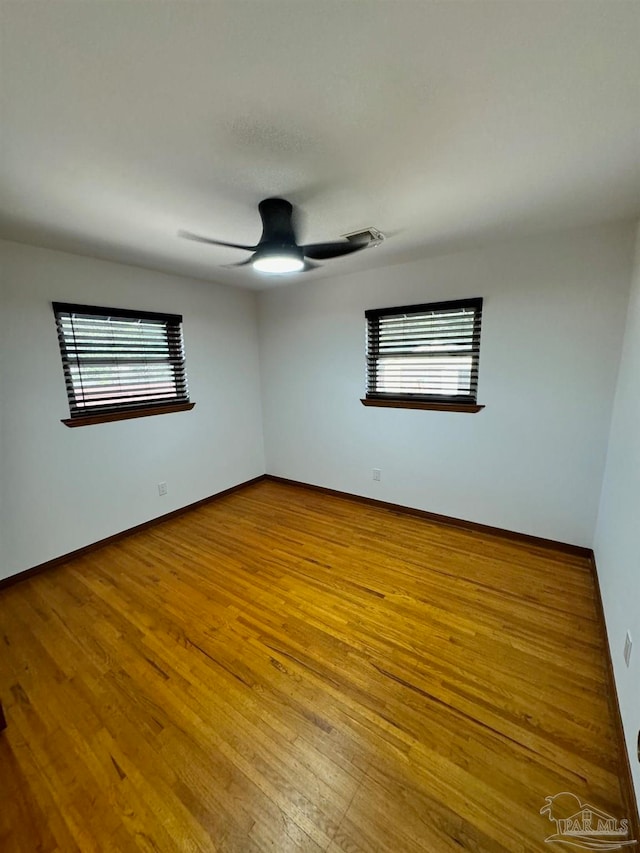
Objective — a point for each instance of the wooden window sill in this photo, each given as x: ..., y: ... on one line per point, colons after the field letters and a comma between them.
x: 88, y: 420
x: 390, y: 403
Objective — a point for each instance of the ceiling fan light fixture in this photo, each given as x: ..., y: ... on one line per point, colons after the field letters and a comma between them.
x: 278, y: 252
x: 278, y: 263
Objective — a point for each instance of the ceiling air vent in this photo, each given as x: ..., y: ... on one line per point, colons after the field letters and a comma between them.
x: 371, y: 236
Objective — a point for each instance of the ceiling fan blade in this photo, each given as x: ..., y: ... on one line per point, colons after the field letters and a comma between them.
x: 323, y: 251
x: 241, y: 264
x: 189, y: 236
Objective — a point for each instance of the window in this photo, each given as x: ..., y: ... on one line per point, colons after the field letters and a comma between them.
x: 424, y: 356
x: 119, y: 363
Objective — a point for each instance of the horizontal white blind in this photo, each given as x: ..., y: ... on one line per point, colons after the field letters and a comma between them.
x: 119, y: 360
x: 427, y: 352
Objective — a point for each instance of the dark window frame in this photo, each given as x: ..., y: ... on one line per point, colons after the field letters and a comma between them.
x: 81, y: 354
x: 467, y: 402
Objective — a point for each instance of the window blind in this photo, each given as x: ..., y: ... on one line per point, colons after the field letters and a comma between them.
x: 425, y: 352
x: 119, y: 360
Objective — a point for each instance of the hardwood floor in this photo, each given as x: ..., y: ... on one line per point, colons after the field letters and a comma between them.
x: 283, y: 670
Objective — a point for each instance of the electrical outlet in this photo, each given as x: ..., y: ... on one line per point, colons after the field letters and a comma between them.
x: 376, y: 473
x: 628, y: 645
x: 162, y: 489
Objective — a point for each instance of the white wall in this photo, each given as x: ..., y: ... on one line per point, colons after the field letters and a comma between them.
x: 532, y: 460
x: 64, y: 488
x: 617, y: 543
x: 3, y: 409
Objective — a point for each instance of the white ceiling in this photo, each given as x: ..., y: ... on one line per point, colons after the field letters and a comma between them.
x: 440, y: 123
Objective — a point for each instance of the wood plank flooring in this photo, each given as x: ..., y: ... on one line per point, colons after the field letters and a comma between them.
x: 283, y: 670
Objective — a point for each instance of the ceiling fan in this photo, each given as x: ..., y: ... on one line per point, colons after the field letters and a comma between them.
x: 278, y: 251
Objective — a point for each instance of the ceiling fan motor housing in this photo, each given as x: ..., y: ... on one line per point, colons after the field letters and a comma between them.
x: 272, y: 249
x: 277, y: 226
